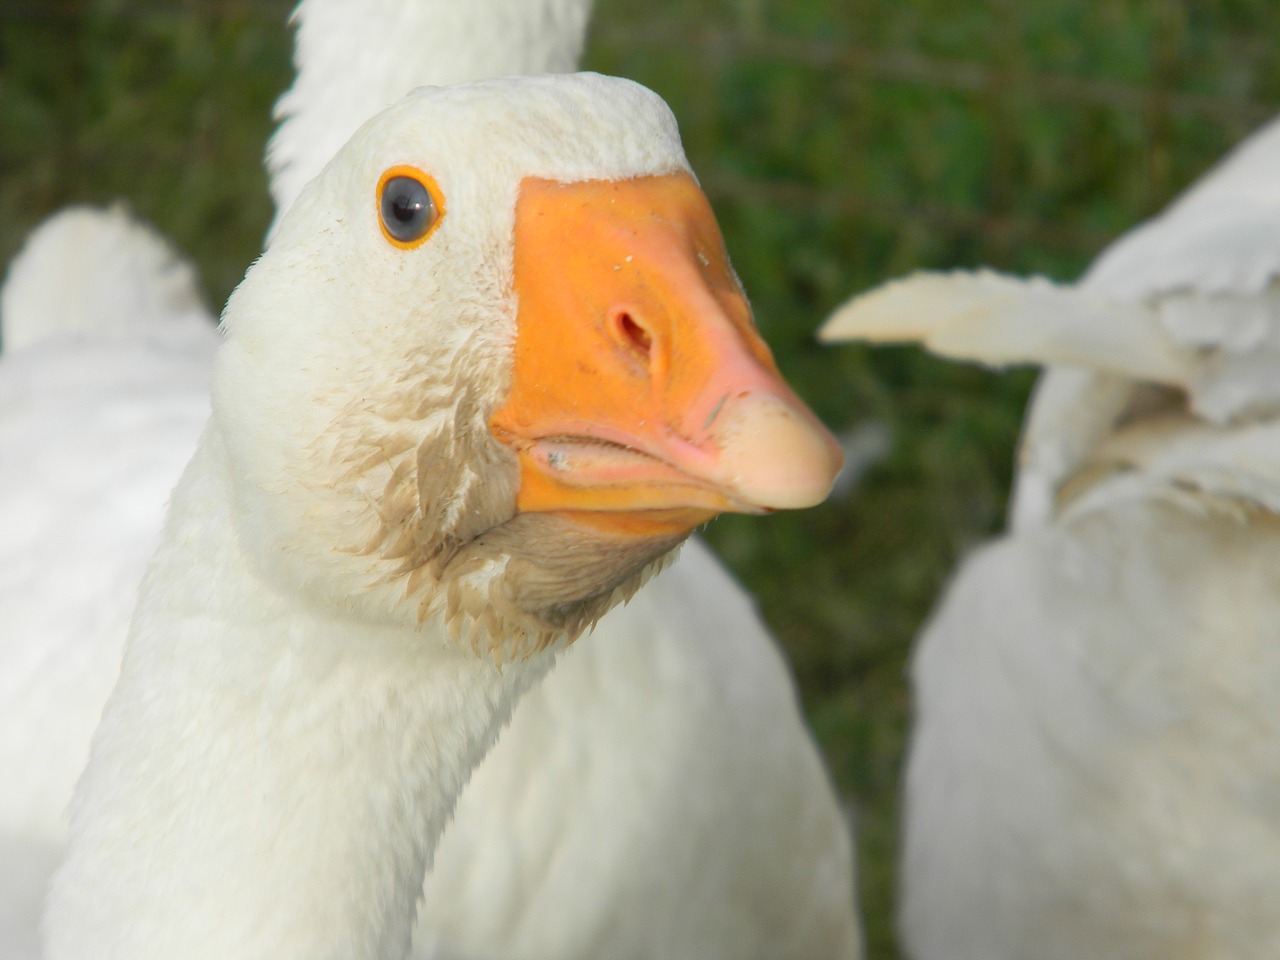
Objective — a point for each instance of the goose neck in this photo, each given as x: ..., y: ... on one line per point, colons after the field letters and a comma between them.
x: 269, y: 779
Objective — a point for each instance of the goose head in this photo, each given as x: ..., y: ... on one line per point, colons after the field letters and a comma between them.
x: 495, y: 365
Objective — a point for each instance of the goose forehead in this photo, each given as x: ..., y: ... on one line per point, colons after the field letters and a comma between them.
x: 564, y: 127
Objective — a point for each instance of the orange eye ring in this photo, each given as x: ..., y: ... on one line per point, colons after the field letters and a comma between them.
x: 410, y: 206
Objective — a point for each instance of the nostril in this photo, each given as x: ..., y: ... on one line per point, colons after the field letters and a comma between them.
x: 634, y: 334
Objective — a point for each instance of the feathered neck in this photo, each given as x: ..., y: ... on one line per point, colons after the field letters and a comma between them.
x: 269, y: 778
x: 353, y: 59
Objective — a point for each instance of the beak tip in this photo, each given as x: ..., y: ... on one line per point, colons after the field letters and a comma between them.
x: 781, y: 457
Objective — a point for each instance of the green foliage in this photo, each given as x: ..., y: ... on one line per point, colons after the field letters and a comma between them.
x: 843, y: 142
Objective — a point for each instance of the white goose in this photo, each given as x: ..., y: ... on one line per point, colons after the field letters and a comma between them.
x: 692, y: 816
x: 445, y: 437
x: 1095, y: 765
x: 698, y: 767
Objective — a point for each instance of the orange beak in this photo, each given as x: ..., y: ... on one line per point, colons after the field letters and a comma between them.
x: 642, y: 398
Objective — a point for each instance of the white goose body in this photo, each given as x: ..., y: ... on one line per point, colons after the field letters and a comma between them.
x: 1095, y: 764
x: 657, y: 795
x: 690, y: 816
x: 96, y: 422
x: 388, y: 527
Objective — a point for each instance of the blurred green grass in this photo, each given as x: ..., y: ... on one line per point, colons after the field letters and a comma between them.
x: 842, y: 142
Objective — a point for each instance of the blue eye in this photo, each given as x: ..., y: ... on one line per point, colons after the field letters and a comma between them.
x: 407, y: 206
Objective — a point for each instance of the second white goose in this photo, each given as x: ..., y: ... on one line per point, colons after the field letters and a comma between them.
x: 1095, y: 764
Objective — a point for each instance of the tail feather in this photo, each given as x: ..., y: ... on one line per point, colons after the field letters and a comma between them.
x: 97, y: 272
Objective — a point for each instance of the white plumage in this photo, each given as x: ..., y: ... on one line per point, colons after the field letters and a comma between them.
x: 656, y: 796
x: 97, y: 420
x: 664, y: 799
x: 125, y: 283
x: 1095, y: 765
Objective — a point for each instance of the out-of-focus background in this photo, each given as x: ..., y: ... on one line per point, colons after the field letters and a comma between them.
x: 842, y: 142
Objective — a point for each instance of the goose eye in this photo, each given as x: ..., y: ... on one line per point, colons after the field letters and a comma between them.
x: 408, y: 206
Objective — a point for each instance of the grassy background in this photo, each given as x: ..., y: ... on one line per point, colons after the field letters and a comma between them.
x: 842, y: 142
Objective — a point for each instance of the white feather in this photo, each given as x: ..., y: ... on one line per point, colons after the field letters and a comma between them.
x: 658, y: 795
x: 1000, y: 320
x: 105, y: 408
x: 122, y: 280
